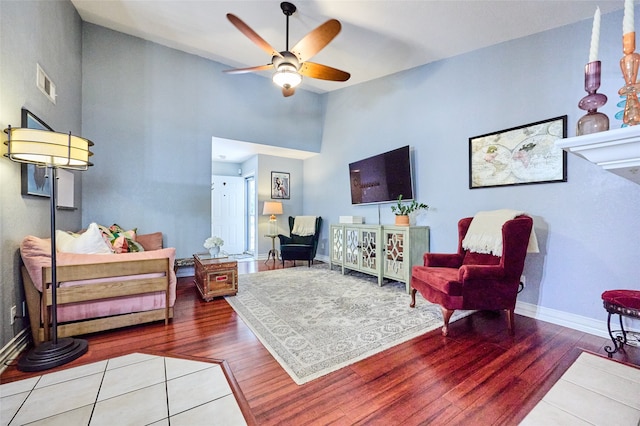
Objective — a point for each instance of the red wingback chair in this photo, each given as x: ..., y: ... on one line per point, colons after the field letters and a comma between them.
x: 469, y: 280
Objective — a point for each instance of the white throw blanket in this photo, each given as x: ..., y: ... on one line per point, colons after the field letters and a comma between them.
x: 485, y: 232
x: 304, y: 225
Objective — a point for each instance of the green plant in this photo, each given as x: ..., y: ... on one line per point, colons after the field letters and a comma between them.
x: 400, y: 209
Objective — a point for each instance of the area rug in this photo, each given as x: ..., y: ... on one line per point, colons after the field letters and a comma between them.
x: 315, y: 320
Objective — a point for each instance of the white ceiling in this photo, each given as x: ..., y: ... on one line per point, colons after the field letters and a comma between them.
x: 378, y: 37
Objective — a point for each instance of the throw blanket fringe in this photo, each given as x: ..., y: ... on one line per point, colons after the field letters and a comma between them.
x: 485, y: 232
x: 304, y: 225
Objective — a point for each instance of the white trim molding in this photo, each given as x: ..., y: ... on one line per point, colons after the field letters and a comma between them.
x: 617, y: 150
x: 11, y: 351
x: 573, y: 321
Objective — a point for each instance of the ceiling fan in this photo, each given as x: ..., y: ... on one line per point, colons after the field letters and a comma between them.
x: 292, y: 64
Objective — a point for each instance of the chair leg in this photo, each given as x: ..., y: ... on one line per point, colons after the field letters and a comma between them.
x: 510, y: 321
x: 413, y: 298
x: 446, y: 316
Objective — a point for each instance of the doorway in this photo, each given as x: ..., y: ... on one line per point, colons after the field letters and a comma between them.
x: 228, y: 212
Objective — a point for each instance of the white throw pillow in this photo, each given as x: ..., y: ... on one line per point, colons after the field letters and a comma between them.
x: 89, y: 242
x: 64, y: 241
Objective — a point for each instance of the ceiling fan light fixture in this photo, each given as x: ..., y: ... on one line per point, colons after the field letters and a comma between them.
x: 287, y: 76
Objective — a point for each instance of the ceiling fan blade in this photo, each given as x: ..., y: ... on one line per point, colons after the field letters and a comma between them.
x: 252, y: 35
x: 323, y: 72
x: 249, y: 69
x: 316, y: 40
x: 286, y: 92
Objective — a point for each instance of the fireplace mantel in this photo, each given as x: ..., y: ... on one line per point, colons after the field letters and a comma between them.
x: 617, y: 150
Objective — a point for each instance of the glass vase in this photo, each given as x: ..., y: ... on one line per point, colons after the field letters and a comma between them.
x: 214, y: 251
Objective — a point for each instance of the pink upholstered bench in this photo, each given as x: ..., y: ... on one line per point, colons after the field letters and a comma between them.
x: 623, y: 303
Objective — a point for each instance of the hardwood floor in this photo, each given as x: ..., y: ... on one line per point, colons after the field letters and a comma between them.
x: 478, y: 375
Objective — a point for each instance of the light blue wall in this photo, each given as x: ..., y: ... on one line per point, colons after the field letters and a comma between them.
x: 294, y: 206
x: 48, y: 33
x: 154, y: 111
x: 587, y: 227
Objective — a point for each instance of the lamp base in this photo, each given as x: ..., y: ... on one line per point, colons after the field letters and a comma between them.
x: 49, y: 355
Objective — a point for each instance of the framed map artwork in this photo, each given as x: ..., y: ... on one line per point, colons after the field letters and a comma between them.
x: 519, y: 155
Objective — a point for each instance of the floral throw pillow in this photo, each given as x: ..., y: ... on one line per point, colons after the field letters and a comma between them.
x: 121, y: 240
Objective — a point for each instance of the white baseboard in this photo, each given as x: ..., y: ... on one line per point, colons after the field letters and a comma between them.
x: 573, y: 321
x: 12, y: 350
x: 185, y: 271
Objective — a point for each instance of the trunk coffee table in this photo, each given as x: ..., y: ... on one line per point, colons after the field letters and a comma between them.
x: 215, y: 276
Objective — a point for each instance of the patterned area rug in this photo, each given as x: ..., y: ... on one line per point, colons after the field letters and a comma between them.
x: 315, y: 321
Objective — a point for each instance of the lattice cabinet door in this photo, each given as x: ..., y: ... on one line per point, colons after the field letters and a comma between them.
x: 368, y: 245
x: 351, y: 247
x: 404, y: 247
x: 337, y: 245
x: 394, y: 263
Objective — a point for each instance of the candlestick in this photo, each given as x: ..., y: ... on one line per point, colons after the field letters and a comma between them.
x: 595, y: 36
x: 629, y: 66
x: 593, y: 121
x: 627, y: 20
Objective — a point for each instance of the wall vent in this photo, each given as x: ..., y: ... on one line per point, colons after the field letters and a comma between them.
x: 45, y: 84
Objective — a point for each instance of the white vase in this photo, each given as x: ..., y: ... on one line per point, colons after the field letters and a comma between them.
x: 214, y: 251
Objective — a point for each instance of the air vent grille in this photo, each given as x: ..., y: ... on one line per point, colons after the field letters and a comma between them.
x: 45, y: 84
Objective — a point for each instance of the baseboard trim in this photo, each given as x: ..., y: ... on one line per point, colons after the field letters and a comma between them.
x: 566, y: 319
x: 12, y: 350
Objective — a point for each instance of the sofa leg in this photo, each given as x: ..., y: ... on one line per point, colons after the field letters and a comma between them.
x: 446, y: 316
x: 413, y: 298
x: 510, y: 321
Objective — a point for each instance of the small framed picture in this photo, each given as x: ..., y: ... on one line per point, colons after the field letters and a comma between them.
x: 280, y: 185
x: 519, y: 155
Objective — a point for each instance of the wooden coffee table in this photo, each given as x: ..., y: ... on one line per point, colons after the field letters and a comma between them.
x: 215, y: 277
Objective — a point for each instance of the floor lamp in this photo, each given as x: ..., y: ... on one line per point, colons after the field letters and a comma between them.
x: 52, y: 150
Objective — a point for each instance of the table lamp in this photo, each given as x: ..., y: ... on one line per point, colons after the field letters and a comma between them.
x: 50, y: 150
x: 272, y: 208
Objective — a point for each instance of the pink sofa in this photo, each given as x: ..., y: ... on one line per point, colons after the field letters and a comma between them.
x: 98, y: 291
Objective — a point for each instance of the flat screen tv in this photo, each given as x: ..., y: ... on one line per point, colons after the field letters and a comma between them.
x: 382, y: 178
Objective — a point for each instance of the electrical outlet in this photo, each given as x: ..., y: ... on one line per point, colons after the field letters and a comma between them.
x: 523, y: 280
x: 13, y: 314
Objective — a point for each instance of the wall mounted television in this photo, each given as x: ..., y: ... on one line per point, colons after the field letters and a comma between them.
x: 382, y: 178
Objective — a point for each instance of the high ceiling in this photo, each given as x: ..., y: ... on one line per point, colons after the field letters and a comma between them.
x: 378, y: 37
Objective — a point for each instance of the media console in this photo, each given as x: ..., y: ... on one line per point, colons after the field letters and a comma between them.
x: 385, y: 251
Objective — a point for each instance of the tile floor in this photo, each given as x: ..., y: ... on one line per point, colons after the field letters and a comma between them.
x: 135, y: 389
x: 593, y: 391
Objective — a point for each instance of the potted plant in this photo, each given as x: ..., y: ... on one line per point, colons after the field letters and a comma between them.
x: 402, y: 210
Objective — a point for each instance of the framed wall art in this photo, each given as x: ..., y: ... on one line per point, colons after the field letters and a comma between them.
x: 34, y: 181
x: 519, y: 155
x: 280, y: 185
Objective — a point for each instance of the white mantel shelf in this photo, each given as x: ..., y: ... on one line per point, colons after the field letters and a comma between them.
x: 617, y: 150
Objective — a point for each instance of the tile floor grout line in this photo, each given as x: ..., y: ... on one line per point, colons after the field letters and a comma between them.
x: 95, y: 402
x: 166, y: 389
x: 25, y: 400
